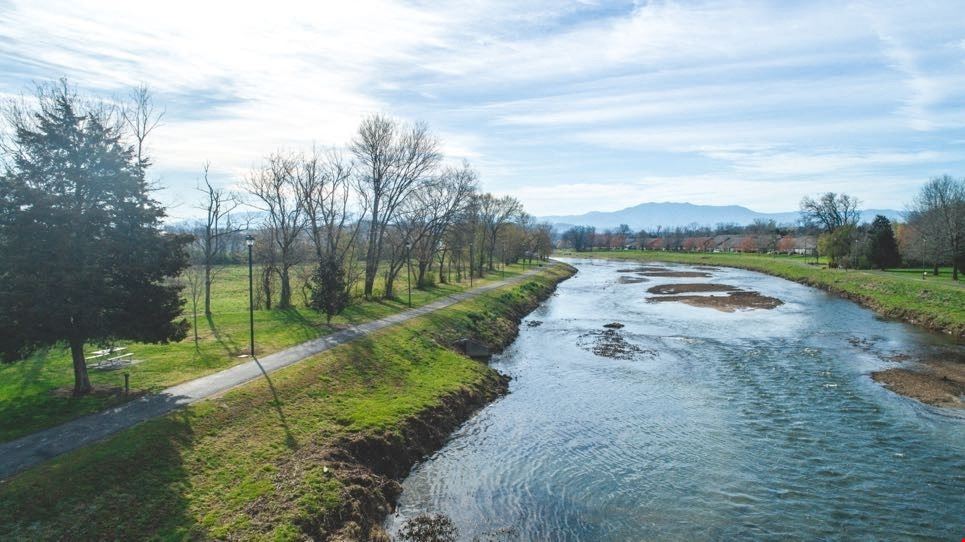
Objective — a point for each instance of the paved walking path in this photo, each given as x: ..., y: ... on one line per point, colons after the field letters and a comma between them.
x: 38, y: 447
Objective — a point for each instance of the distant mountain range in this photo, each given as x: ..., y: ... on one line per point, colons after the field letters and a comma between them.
x: 651, y: 215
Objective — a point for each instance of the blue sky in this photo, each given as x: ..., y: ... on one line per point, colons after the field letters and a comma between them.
x: 571, y: 107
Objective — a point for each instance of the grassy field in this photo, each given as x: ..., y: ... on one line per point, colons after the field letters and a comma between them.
x: 937, y: 303
x: 246, y: 465
x: 35, y: 393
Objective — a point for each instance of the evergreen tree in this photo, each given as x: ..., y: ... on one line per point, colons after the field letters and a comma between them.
x: 883, y: 248
x: 330, y: 288
x: 85, y: 260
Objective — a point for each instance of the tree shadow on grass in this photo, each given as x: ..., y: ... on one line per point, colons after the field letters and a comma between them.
x: 130, y: 486
x: 307, y: 328
x: 276, y: 403
x: 226, y: 341
x: 33, y: 367
x: 359, y: 313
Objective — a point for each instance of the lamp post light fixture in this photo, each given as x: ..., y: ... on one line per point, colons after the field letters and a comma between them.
x: 408, y: 272
x: 250, y: 242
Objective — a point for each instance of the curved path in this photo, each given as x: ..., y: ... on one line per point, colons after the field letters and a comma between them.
x: 33, y: 449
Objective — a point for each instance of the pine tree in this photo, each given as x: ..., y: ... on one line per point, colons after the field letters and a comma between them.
x: 85, y: 260
x: 883, y: 248
x: 329, y: 285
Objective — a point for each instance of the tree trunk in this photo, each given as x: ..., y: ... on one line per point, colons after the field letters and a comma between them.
x: 372, y: 252
x: 81, y: 381
x: 195, y: 311
x: 389, y: 284
x: 207, y: 290
x: 421, y: 278
x: 285, y: 298
x: 370, y: 272
x: 266, y: 286
x: 955, y: 244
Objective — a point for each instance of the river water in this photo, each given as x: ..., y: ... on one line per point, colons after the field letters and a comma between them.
x: 758, y: 424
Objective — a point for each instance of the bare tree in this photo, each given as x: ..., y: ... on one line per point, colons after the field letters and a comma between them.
x: 398, y: 242
x: 216, y: 227
x: 433, y: 210
x: 831, y: 211
x: 940, y: 210
x: 141, y: 117
x: 325, y: 193
x: 923, y: 238
x: 392, y: 160
x: 543, y: 240
x: 194, y: 279
x: 275, y: 188
x: 266, y: 254
x: 494, y: 214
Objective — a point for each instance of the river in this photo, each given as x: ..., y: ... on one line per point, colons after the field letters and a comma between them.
x: 758, y: 424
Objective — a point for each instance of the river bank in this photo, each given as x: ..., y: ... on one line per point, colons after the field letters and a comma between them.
x: 313, y: 451
x: 931, y: 380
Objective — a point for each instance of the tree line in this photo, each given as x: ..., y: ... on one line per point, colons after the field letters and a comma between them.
x: 335, y: 220
x: 932, y: 233
x: 88, y: 258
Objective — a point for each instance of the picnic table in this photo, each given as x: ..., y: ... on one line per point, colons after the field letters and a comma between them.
x: 109, y: 358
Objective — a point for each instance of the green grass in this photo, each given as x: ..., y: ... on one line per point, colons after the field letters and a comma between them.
x: 914, y: 273
x: 35, y: 392
x: 937, y: 303
x: 249, y: 463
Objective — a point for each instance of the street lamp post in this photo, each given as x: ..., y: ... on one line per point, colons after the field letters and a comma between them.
x: 408, y: 272
x: 250, y: 241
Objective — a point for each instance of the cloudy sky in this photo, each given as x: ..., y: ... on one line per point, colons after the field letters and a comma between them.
x: 569, y: 106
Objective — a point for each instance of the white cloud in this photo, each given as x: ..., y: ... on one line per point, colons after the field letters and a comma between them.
x: 747, y: 95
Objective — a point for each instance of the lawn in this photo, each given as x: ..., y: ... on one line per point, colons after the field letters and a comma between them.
x: 35, y: 392
x: 937, y: 303
x: 250, y: 464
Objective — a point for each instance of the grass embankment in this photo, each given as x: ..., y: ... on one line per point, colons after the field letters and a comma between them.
x: 35, y: 392
x: 311, y: 452
x: 936, y: 303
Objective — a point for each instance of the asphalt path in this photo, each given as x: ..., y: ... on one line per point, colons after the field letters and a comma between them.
x: 30, y: 450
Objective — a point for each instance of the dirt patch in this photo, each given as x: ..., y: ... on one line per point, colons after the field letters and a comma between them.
x: 673, y: 289
x: 609, y: 343
x: 724, y: 303
x: 934, y: 385
x: 613, y: 325
x: 534, y: 323
x: 677, y: 274
x: 632, y: 280
x: 937, y: 377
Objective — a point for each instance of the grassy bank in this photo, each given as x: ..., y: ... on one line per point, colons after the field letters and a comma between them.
x: 935, y: 303
x: 310, y: 452
x: 35, y: 393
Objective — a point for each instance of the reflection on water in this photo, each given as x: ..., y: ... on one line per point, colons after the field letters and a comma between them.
x: 752, y: 424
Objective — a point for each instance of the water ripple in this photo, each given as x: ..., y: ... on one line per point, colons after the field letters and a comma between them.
x: 757, y: 424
